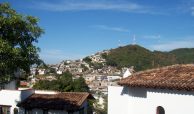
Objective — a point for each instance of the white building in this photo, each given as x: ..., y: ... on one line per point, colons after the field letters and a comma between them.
x: 59, y: 72
x: 41, y: 71
x: 167, y: 90
x: 29, y: 101
x: 10, y: 98
x: 112, y: 78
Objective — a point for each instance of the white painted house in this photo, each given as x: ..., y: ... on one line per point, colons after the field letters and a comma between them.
x: 29, y: 101
x: 10, y: 98
x: 41, y: 71
x: 112, y: 78
x: 59, y: 72
x: 167, y: 90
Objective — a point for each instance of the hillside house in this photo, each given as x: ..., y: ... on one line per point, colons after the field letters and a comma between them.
x: 112, y: 78
x: 30, y: 101
x: 167, y: 90
x: 41, y: 71
x: 59, y: 72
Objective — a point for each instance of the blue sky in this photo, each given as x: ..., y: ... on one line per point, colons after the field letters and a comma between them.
x: 77, y: 28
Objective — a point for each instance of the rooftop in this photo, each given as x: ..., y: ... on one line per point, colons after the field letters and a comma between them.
x: 60, y: 101
x: 176, y: 77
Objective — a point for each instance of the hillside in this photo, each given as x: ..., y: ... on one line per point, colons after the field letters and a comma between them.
x: 142, y: 58
x: 184, y: 55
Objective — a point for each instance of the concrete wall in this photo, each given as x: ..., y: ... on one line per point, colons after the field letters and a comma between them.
x: 124, y: 100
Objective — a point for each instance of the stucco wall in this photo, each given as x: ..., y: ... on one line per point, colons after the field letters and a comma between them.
x: 124, y: 100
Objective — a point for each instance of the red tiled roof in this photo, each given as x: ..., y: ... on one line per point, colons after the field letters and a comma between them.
x: 23, y: 83
x: 60, y: 101
x: 178, y: 77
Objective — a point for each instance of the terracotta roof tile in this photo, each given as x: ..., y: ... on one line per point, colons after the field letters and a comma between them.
x: 179, y: 77
x: 60, y: 101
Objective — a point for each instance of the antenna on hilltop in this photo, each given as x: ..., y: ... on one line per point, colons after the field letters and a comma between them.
x: 134, y: 40
x: 119, y: 43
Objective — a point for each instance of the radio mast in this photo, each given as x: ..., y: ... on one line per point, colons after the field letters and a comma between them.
x: 134, y: 40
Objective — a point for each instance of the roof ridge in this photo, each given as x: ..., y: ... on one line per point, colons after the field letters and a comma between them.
x: 169, y: 77
x: 163, y: 68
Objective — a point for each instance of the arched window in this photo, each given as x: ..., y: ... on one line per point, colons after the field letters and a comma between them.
x: 160, y: 110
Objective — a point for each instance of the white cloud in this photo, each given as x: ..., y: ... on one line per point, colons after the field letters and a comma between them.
x: 90, y: 5
x: 105, y: 27
x: 172, y: 45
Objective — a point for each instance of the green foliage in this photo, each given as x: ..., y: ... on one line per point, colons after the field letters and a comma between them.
x: 18, y: 33
x: 64, y: 83
x: 52, y: 70
x: 84, y: 67
x: 141, y: 58
x: 87, y: 60
x: 91, y: 106
x: 97, y: 109
x: 184, y: 55
x: 80, y: 85
x: 97, y: 65
x: 132, y: 55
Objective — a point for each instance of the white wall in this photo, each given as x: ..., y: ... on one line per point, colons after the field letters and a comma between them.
x: 145, y: 101
x: 117, y: 104
x: 45, y: 92
x: 13, y: 97
x: 110, y: 78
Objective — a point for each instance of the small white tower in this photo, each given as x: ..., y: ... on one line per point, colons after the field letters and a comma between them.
x: 119, y: 43
x: 134, y: 40
x: 127, y: 73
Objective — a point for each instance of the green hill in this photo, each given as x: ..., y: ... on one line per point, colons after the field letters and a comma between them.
x: 142, y: 58
x: 184, y: 55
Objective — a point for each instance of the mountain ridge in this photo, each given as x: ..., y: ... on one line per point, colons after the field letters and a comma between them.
x: 142, y: 58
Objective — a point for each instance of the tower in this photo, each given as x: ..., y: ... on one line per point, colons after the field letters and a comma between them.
x: 134, y: 39
x: 119, y: 43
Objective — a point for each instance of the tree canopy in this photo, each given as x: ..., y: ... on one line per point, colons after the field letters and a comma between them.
x: 18, y: 34
x: 64, y: 83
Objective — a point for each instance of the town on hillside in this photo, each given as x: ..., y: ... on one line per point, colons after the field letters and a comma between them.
x: 98, y: 76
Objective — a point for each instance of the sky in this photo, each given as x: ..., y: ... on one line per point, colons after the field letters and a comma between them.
x: 78, y: 28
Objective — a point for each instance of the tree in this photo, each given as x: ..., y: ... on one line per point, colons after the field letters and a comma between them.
x: 80, y: 85
x: 18, y: 33
x: 87, y: 59
x: 64, y: 83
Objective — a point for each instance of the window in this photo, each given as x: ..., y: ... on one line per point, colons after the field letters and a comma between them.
x: 4, y: 109
x: 160, y: 110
